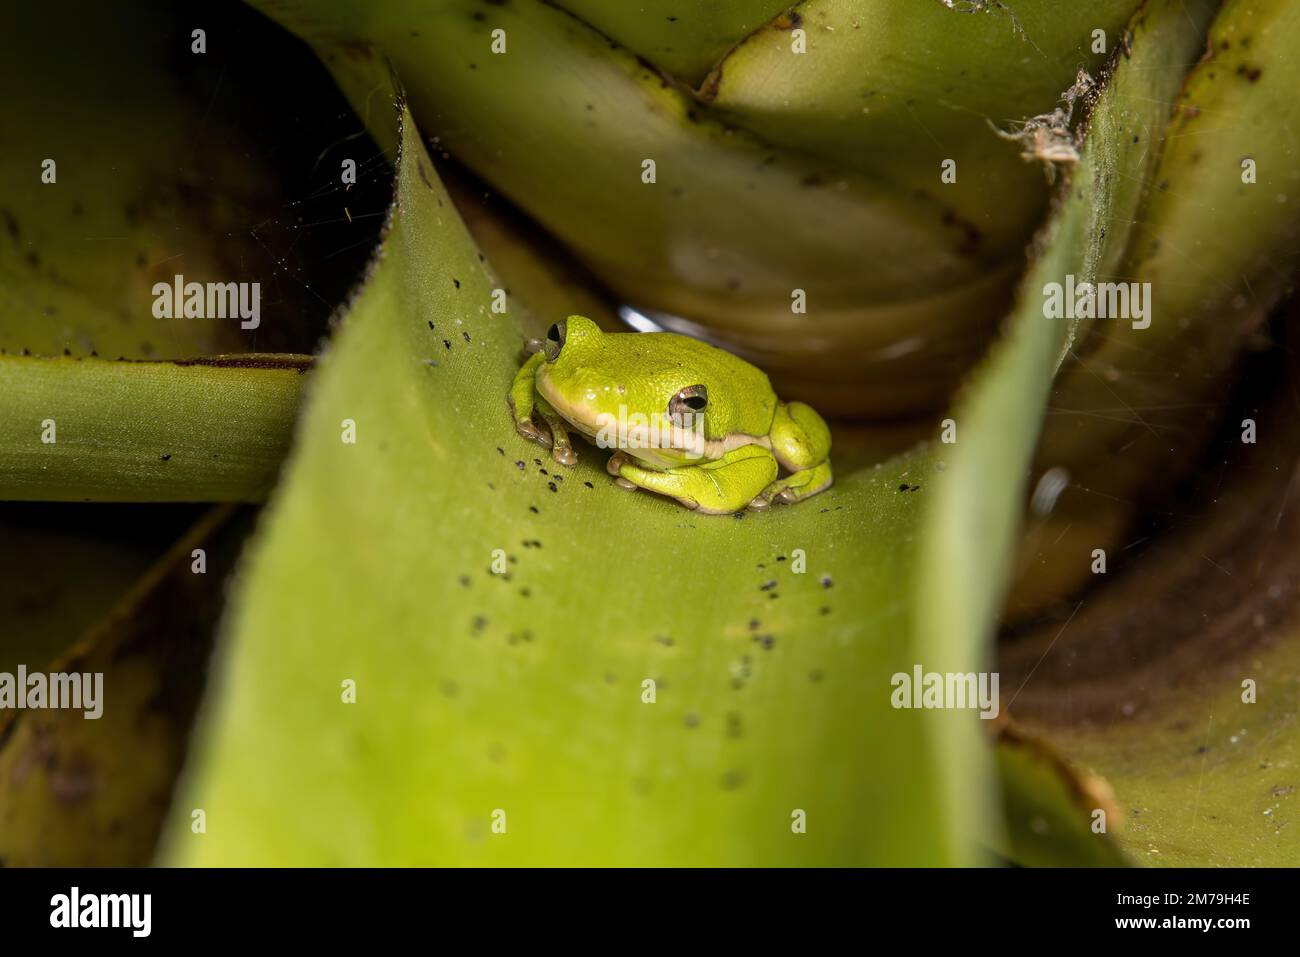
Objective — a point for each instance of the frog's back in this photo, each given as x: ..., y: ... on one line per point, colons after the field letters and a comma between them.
x: 740, y: 395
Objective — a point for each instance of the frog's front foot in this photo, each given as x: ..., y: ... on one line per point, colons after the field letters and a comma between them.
x: 525, y: 426
x: 615, y: 466
x: 554, y: 436
x: 527, y: 407
x: 616, y: 462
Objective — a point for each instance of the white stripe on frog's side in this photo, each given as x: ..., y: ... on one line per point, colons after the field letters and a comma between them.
x: 660, y: 445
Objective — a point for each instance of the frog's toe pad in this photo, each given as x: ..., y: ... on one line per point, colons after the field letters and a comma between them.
x: 625, y: 483
x: 616, y: 462
x: 532, y: 433
x: 565, y: 455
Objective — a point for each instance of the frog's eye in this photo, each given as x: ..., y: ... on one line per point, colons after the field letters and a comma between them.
x: 555, y: 340
x: 691, y: 399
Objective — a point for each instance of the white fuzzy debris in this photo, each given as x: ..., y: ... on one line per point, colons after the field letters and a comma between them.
x: 1048, y: 137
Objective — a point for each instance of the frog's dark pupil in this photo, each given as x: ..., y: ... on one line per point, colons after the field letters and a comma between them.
x: 554, y: 333
x: 696, y: 402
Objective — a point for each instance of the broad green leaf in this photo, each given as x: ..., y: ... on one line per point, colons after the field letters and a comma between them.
x: 523, y: 692
x: 1204, y: 778
x: 196, y: 430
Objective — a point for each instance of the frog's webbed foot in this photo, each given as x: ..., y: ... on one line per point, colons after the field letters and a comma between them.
x: 714, y: 488
x: 527, y: 408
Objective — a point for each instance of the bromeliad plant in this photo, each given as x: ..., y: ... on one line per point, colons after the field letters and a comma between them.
x: 440, y: 647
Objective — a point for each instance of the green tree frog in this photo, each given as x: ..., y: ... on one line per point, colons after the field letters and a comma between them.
x: 685, y: 418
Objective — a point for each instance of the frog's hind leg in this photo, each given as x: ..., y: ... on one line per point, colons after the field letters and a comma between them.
x: 801, y: 442
x: 713, y: 488
x: 526, y: 404
x: 796, y: 486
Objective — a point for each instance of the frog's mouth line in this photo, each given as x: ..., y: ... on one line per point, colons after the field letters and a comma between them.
x: 633, y: 431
